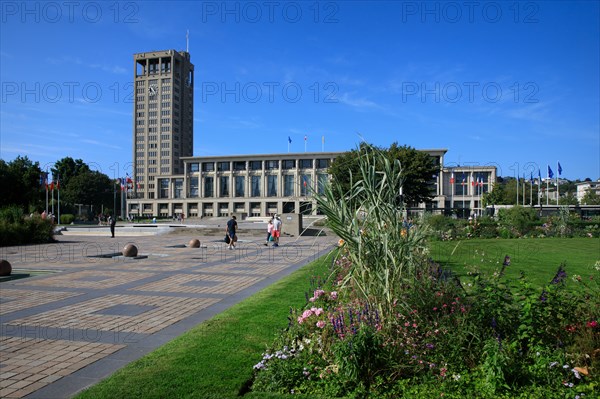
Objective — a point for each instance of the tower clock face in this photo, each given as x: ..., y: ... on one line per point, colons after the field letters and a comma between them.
x: 152, y: 90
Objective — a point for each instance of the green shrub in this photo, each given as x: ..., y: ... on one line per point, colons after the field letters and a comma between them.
x: 15, y: 229
x: 67, y: 218
x: 519, y: 220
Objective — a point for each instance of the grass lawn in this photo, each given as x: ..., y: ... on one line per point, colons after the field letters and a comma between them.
x: 537, y: 258
x: 215, y: 359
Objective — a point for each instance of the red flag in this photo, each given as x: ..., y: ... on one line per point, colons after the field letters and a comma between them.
x: 58, y: 184
x: 52, y: 186
x: 472, y: 181
x: 452, y: 178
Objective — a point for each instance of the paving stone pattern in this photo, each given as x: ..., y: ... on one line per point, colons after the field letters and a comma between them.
x: 87, y: 316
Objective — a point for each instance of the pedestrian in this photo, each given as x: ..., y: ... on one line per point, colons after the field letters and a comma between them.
x: 269, y: 231
x: 231, y: 232
x: 113, y: 221
x: 276, y: 230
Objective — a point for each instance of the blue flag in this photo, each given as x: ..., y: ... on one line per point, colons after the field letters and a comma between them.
x: 559, y: 169
x: 550, y: 173
x: 289, y: 140
x: 540, y: 176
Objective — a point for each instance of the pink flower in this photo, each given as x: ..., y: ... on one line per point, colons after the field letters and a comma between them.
x: 434, y: 309
x: 333, y: 295
x: 320, y: 324
x: 300, y: 320
x: 414, y: 325
x: 592, y: 324
x: 307, y: 313
x: 318, y: 311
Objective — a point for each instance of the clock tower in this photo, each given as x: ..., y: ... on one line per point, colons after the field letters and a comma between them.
x: 163, y: 114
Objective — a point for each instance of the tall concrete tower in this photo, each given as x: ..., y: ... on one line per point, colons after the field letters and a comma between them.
x: 163, y: 117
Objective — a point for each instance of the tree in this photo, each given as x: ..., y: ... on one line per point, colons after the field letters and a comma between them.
x: 68, y: 168
x: 568, y: 199
x: 590, y: 198
x: 418, y: 170
x: 90, y: 188
x: 21, y: 185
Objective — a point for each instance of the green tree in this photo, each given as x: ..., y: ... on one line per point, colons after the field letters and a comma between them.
x: 90, y: 188
x: 68, y: 168
x: 590, y: 198
x: 417, y: 170
x: 568, y: 199
x: 20, y: 180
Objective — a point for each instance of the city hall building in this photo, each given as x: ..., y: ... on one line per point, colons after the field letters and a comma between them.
x: 170, y: 181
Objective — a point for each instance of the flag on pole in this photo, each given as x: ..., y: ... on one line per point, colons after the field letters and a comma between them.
x: 464, y: 179
x: 540, y: 176
x: 452, y: 178
x: 52, y: 186
x: 559, y: 169
x: 289, y: 140
x: 550, y: 173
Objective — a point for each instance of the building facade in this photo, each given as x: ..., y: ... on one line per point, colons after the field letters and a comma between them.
x: 163, y: 111
x: 170, y: 181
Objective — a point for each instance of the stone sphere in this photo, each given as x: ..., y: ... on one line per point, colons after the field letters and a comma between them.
x: 130, y: 250
x: 194, y: 243
x: 5, y: 268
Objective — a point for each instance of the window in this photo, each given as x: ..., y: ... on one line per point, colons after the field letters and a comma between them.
x: 306, y: 185
x: 270, y: 165
x: 255, y: 165
x: 239, y: 165
x: 321, y: 183
x: 224, y: 186
x: 255, y: 186
x: 208, y: 166
x: 272, y: 186
x: 194, y: 167
x: 288, y: 185
x: 178, y: 188
x: 223, y: 166
x: 288, y: 164
x: 239, y: 186
x: 322, y: 163
x: 305, y: 163
x: 209, y: 187
x: 163, y: 188
x: 193, y: 186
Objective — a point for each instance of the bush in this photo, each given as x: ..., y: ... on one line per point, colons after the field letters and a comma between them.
x: 15, y: 229
x: 518, y: 220
x: 67, y: 218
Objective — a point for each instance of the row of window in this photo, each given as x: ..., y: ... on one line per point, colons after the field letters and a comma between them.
x: 286, y: 164
x: 243, y: 185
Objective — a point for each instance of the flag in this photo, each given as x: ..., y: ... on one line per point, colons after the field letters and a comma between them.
x: 305, y: 137
x: 464, y: 179
x: 539, y: 176
x: 559, y: 169
x: 481, y: 181
x: 472, y: 181
x: 550, y: 173
x: 128, y: 180
x: 452, y: 178
x: 52, y: 186
x: 289, y: 140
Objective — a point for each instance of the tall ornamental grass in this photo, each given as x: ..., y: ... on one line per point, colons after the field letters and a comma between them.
x: 385, y: 252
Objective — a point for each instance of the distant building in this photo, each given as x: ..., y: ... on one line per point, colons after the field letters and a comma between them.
x: 169, y: 180
x: 584, y: 187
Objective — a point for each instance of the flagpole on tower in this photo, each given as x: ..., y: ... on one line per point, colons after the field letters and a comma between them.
x: 305, y: 137
x: 187, y: 41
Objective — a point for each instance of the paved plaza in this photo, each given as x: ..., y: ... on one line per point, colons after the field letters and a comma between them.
x: 86, y: 311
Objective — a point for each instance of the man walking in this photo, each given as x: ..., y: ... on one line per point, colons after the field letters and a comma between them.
x: 231, y: 231
x: 276, y: 230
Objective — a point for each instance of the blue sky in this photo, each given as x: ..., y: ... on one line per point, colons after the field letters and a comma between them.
x: 511, y: 84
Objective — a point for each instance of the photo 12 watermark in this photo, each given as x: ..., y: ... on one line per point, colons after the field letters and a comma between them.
x: 251, y: 12
x: 269, y: 92
x: 471, y: 92
x: 52, y: 12
x: 452, y: 12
